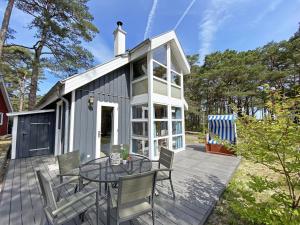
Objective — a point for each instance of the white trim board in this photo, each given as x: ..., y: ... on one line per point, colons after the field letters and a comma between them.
x: 115, y: 107
x: 72, y: 121
x: 29, y: 112
x: 14, y: 138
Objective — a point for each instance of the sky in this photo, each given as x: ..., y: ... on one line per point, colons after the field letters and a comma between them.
x: 202, y: 26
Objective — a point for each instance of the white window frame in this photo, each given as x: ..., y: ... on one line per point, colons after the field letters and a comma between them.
x: 1, y: 118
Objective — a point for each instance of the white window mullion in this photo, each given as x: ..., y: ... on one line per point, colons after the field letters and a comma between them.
x: 150, y: 104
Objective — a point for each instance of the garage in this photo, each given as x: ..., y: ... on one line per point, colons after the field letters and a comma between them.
x: 33, y: 133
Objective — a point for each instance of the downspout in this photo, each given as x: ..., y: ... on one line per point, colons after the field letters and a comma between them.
x: 66, y: 139
x: 66, y: 136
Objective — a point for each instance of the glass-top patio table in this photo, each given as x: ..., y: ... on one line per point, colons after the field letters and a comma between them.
x: 102, y: 170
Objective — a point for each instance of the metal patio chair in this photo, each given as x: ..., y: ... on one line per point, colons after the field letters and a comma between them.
x: 133, y: 198
x: 165, y: 167
x: 62, y: 211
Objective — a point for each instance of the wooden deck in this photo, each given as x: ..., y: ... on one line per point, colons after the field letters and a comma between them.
x: 199, y: 179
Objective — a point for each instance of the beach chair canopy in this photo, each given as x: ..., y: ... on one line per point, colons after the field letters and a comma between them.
x: 222, y: 126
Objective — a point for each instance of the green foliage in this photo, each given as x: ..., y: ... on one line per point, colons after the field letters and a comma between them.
x: 59, y: 29
x: 125, y: 153
x: 274, y: 142
x: 234, y: 78
x: 16, y: 68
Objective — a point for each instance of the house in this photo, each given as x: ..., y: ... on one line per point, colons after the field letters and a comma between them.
x: 5, y: 107
x: 136, y: 98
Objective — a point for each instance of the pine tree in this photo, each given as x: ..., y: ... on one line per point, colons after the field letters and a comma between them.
x: 60, y: 27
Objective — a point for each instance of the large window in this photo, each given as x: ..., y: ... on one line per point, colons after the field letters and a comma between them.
x: 140, y: 144
x: 160, y: 55
x: 174, y: 63
x: 140, y: 129
x: 159, y: 71
x: 161, y: 131
x: 139, y: 68
x: 140, y: 111
x: 160, y: 111
x: 140, y: 147
x: 177, y: 129
x: 160, y: 143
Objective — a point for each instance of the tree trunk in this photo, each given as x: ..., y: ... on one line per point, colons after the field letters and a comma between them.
x: 34, y: 81
x: 22, y: 92
x: 5, y: 23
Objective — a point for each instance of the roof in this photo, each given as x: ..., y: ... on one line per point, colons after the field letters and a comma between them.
x: 69, y: 84
x: 29, y: 112
x: 5, y: 95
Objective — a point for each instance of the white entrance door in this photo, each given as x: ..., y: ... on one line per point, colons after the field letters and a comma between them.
x: 107, y: 127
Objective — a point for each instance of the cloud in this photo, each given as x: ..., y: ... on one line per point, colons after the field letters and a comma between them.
x: 216, y: 13
x: 270, y: 8
x: 150, y: 19
x: 184, y: 14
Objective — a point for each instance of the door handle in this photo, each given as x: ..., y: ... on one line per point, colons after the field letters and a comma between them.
x: 99, y: 133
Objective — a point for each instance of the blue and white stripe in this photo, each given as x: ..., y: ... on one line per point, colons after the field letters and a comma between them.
x: 223, y: 126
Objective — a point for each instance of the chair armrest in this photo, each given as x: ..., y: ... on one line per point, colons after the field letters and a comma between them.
x: 67, y: 175
x: 165, y: 169
x: 64, y: 183
x: 69, y: 204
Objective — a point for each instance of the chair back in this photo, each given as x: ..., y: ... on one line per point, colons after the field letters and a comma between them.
x: 117, y: 148
x: 47, y: 191
x: 136, y: 188
x: 166, y: 157
x: 68, y: 161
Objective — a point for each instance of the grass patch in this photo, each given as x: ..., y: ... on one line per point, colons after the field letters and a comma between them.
x: 225, y: 211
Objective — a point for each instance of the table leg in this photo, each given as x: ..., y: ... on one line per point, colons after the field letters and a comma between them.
x: 80, y: 184
x: 108, y: 208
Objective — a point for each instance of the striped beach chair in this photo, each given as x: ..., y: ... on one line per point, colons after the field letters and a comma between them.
x: 224, y: 127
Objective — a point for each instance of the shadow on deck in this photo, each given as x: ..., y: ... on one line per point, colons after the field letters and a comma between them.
x: 199, y: 179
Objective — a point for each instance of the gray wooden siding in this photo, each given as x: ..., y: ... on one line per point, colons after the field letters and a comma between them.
x: 113, y: 87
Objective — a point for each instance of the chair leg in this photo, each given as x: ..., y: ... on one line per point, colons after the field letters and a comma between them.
x: 172, y: 188
x: 97, y: 208
x: 153, y: 217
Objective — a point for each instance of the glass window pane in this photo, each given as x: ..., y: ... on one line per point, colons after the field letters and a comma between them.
x: 139, y: 68
x: 140, y: 147
x: 177, y: 127
x: 160, y: 143
x: 174, y: 63
x: 160, y: 128
x: 140, y: 128
x: 140, y: 87
x: 177, y: 142
x: 175, y: 78
x: 160, y: 54
x: 160, y: 111
x: 176, y: 113
x: 140, y: 111
x: 159, y: 71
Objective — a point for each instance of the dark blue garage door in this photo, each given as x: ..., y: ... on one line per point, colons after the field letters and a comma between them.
x: 36, y: 134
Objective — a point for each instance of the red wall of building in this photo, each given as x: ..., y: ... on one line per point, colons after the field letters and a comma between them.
x: 3, y: 109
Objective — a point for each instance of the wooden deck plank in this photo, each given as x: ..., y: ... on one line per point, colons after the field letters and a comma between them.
x: 27, y: 204
x: 16, y: 200
x: 199, y: 179
x: 6, y: 194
